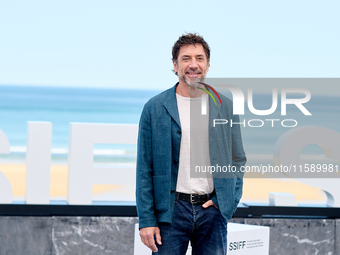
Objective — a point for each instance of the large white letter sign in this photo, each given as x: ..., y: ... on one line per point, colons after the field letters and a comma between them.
x: 81, y: 172
x: 287, y: 152
x: 38, y: 162
x: 6, y: 192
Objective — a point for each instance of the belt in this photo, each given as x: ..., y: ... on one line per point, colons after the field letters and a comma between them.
x: 194, y: 198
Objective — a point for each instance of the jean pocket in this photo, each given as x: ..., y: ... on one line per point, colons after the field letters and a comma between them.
x: 161, y: 191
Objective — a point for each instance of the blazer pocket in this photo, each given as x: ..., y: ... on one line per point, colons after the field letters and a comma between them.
x: 161, y: 192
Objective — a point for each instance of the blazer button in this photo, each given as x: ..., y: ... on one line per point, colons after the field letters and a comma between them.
x: 179, y: 132
x: 172, y: 191
x: 175, y: 161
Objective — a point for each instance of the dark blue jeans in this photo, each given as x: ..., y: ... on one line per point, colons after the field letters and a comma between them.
x: 206, y: 229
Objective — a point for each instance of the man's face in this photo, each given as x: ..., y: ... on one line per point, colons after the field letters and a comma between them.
x: 191, y: 65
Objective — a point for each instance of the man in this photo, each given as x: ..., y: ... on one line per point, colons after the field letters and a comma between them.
x: 174, y: 208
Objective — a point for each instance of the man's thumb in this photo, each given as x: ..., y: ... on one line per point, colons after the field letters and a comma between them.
x: 158, y: 237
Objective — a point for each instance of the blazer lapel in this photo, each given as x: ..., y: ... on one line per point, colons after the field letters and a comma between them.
x: 214, y: 111
x: 170, y: 103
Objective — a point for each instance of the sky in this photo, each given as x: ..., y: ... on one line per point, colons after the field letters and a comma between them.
x: 127, y: 44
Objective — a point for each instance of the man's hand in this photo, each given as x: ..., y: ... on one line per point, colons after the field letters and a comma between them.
x: 147, y: 237
x: 209, y: 203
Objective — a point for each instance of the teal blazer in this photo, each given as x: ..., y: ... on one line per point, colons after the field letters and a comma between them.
x: 158, y: 147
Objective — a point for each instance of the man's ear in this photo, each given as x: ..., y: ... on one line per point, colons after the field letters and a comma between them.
x: 175, y: 66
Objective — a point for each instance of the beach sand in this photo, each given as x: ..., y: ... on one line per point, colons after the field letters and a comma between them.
x: 255, y: 189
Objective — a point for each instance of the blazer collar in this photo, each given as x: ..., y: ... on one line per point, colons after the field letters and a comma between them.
x: 214, y: 111
x: 170, y: 103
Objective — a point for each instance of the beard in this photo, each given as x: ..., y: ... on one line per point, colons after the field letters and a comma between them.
x: 192, y: 82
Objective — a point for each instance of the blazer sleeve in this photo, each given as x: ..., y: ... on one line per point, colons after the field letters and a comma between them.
x: 238, y: 158
x: 144, y: 174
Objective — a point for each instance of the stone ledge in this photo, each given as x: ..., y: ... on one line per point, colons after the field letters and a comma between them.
x: 115, y: 235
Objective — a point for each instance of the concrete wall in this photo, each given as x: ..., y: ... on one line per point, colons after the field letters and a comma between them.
x: 115, y: 235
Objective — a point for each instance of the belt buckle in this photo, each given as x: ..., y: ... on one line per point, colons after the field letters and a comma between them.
x: 191, y: 199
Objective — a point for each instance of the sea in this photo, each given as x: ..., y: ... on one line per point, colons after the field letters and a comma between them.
x: 62, y: 105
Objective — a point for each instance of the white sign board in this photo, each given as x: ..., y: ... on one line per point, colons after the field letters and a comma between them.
x: 242, y: 240
x: 82, y: 174
x: 247, y: 239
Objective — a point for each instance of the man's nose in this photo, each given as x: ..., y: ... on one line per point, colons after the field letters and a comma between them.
x: 193, y: 64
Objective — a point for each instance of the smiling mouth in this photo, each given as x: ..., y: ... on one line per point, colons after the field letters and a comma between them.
x: 193, y: 74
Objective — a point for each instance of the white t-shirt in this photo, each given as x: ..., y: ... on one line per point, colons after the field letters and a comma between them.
x: 194, y: 150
